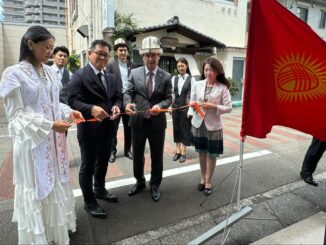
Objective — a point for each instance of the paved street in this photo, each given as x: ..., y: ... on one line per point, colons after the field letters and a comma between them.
x: 271, y: 185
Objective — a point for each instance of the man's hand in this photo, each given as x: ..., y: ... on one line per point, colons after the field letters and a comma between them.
x: 155, y: 110
x: 61, y: 126
x: 130, y: 109
x: 98, y: 113
x: 115, y: 112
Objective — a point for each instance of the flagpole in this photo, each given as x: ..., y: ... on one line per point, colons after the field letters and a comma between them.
x: 240, y: 173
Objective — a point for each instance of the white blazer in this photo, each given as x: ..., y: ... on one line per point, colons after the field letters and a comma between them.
x: 220, y: 96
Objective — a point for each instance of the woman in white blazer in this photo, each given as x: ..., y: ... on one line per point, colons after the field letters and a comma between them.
x: 213, y: 95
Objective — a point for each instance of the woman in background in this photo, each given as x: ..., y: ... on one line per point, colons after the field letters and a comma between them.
x: 213, y: 95
x: 44, y: 205
x: 182, y: 84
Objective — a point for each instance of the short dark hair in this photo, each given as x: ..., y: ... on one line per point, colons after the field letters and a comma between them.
x: 62, y: 49
x: 36, y: 34
x: 100, y: 42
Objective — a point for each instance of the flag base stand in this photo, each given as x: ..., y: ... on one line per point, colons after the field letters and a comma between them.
x: 240, y: 213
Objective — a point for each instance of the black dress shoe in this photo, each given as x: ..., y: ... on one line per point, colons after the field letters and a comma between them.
x: 182, y: 158
x: 95, y: 210
x: 112, y: 157
x: 176, y: 156
x: 106, y: 196
x: 155, y: 194
x: 208, y: 191
x: 200, y: 187
x: 136, y: 188
x: 129, y: 155
x: 309, y: 180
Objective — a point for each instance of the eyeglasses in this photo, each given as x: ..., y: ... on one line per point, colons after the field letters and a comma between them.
x: 101, y: 55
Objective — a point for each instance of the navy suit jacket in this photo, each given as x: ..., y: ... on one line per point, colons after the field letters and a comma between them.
x: 85, y: 91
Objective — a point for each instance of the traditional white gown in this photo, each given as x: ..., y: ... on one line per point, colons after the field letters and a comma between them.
x: 44, y: 206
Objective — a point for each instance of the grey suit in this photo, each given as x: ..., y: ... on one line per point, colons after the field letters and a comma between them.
x: 152, y: 129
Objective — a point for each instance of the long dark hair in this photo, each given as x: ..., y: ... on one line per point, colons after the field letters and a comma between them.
x: 36, y: 34
x: 184, y: 61
x: 216, y: 66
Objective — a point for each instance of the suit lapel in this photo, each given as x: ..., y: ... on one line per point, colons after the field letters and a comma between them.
x: 202, y: 92
x: 95, y: 78
x: 158, y: 79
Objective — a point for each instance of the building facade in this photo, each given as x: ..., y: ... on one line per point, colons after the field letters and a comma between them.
x: 44, y: 12
x: 10, y: 36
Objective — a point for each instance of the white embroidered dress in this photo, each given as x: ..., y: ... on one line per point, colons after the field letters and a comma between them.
x: 44, y: 203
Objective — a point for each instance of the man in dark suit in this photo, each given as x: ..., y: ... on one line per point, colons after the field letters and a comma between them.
x: 121, y: 67
x: 149, y: 88
x: 94, y: 93
x: 60, y: 60
x: 311, y: 159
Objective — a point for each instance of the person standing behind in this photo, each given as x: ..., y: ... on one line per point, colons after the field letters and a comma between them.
x: 182, y: 84
x: 213, y: 95
x: 94, y: 92
x: 121, y: 69
x: 44, y: 204
x: 149, y: 89
x: 311, y: 159
x: 60, y: 60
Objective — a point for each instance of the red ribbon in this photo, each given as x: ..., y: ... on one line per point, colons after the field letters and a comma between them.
x: 196, y: 107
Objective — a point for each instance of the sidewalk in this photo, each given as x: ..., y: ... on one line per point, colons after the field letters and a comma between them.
x: 272, y: 211
x: 271, y: 186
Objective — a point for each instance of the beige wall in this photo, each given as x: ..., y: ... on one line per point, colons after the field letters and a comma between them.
x: 221, y: 20
x: 11, y: 36
x: 1, y: 50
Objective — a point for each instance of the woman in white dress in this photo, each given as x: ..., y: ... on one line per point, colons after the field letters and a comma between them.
x: 44, y: 206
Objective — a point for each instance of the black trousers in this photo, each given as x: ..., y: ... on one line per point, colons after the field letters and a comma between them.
x: 156, y: 144
x: 95, y: 148
x: 127, y: 134
x: 313, y: 155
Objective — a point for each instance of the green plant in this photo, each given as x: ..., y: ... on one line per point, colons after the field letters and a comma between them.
x: 125, y: 27
x: 73, y: 63
x: 234, y: 87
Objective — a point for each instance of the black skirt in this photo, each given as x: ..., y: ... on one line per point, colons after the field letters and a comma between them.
x: 207, y: 141
x: 181, y: 127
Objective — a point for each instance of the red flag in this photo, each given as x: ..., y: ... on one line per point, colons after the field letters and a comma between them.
x: 285, y: 81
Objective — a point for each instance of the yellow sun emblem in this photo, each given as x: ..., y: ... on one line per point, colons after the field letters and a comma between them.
x: 299, y: 78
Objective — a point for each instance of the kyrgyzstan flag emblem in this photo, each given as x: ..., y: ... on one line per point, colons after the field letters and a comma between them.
x: 285, y: 82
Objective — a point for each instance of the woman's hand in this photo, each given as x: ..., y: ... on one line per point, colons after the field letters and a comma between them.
x: 76, y: 116
x: 208, y: 105
x: 61, y: 126
x: 192, y: 103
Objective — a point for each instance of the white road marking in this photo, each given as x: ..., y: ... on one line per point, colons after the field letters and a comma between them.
x: 181, y: 170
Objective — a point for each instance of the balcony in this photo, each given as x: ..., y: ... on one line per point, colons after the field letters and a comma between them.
x: 32, y: 3
x: 32, y: 10
x: 12, y: 5
x: 32, y: 18
x: 16, y: 12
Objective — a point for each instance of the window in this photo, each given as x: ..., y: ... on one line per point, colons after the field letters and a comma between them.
x: 302, y: 13
x: 322, y: 22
